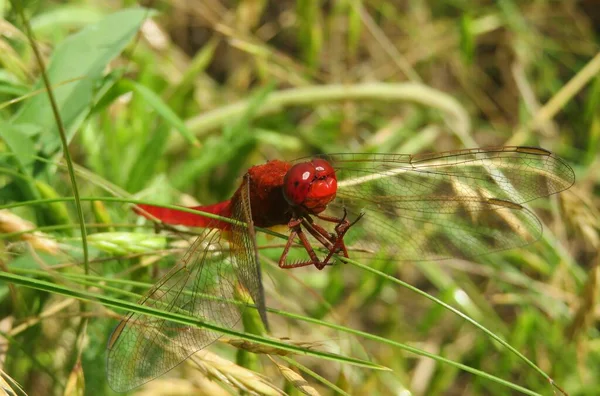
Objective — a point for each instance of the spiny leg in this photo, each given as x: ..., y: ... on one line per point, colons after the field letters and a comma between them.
x: 296, y: 230
x: 341, y: 229
x: 333, y: 238
x: 333, y: 219
x: 326, y: 239
x: 321, y: 234
x: 333, y: 243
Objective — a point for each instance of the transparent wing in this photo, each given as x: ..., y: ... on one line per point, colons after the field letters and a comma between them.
x: 201, y: 285
x: 245, y: 251
x: 450, y: 204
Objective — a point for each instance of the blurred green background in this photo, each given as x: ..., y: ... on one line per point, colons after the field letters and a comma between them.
x: 171, y: 103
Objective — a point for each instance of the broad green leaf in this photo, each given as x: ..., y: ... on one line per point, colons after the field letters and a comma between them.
x: 69, y: 16
x: 19, y: 143
x: 79, y: 61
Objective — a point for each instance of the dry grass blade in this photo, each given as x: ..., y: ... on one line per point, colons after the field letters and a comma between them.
x: 9, y: 223
x: 584, y: 217
x: 296, y: 380
x: 263, y: 349
x: 6, y: 387
x: 182, y: 387
x: 54, y: 308
x: 215, y: 367
x: 76, y: 382
x: 589, y: 298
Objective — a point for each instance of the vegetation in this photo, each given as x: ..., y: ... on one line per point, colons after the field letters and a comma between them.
x: 171, y: 103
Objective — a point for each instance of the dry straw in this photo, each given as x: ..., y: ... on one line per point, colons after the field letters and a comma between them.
x: 264, y: 349
x: 296, y: 380
x: 11, y: 223
x: 215, y: 367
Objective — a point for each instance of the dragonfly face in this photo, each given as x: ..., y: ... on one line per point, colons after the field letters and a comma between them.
x: 310, y: 185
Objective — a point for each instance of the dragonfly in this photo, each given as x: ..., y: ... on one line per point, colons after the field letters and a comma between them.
x: 432, y: 206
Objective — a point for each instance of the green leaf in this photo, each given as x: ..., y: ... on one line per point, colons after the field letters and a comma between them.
x: 74, y: 70
x: 67, y: 17
x: 155, y: 101
x: 56, y: 212
x: 467, y: 38
x: 20, y: 144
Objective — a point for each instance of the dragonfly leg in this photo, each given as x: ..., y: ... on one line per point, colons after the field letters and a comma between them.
x: 332, y: 242
x: 341, y: 229
x: 333, y: 219
x: 296, y: 230
x: 342, y: 226
x: 282, y: 260
x: 326, y: 238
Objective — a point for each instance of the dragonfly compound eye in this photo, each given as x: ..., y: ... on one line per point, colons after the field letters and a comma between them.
x: 311, y: 185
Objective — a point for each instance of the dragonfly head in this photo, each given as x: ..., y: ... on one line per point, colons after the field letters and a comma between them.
x: 310, y: 185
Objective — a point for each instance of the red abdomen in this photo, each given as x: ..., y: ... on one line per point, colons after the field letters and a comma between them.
x: 176, y: 217
x: 267, y: 201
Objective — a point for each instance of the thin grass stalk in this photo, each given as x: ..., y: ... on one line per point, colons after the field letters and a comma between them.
x: 63, y: 137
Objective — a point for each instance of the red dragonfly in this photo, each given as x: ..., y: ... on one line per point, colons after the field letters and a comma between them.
x: 378, y: 206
